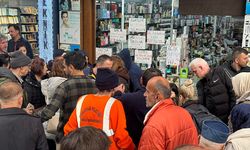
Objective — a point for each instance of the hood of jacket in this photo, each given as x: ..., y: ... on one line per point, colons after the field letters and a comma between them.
x: 125, y: 56
x: 5, y: 72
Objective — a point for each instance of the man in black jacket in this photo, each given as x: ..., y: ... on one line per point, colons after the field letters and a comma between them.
x: 19, y: 130
x: 214, y: 89
x: 238, y: 63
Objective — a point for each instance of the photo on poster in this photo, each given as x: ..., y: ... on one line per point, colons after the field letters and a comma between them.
x: 69, y: 27
x: 65, y: 5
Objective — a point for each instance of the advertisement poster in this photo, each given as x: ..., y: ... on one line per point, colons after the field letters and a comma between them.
x: 68, y: 5
x: 69, y: 27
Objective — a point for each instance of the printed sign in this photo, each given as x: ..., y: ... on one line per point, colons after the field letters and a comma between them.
x: 136, y: 42
x: 137, y: 25
x: 143, y: 56
x: 246, y: 32
x: 156, y: 37
x: 100, y: 51
x: 116, y: 35
x: 173, y: 55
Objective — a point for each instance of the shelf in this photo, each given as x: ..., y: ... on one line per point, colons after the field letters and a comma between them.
x: 24, y: 23
x: 28, y: 14
x: 29, y: 32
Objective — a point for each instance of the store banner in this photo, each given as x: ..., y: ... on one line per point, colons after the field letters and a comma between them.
x: 45, y: 31
x: 101, y: 51
x: 69, y: 27
x: 246, y: 32
x: 118, y: 35
x: 143, y: 56
x: 137, y: 25
x: 136, y: 42
x: 155, y: 37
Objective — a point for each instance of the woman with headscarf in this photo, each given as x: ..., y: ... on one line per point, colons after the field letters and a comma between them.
x: 240, y: 114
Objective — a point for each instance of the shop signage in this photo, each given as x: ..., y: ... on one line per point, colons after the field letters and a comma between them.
x: 143, y: 56
x: 45, y: 29
x: 137, y: 25
x: 173, y: 55
x: 156, y: 37
x: 136, y: 42
x: 116, y: 35
x: 100, y: 51
x: 246, y: 32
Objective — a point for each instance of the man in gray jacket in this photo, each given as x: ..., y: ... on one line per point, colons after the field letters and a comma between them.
x: 19, y: 130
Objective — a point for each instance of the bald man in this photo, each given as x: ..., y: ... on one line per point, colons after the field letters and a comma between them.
x: 167, y: 126
x: 18, y: 129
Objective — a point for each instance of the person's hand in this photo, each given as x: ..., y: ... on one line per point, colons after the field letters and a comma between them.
x: 29, y: 109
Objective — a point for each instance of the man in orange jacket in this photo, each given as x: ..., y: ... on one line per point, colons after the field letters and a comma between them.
x: 102, y: 111
x: 167, y: 126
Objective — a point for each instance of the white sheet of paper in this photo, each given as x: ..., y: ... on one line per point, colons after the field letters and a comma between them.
x: 136, y: 42
x: 155, y: 37
x: 116, y: 35
x: 100, y: 51
x: 143, y: 56
x: 137, y: 25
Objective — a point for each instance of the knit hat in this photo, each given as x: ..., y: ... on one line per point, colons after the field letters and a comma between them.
x: 106, y: 79
x: 18, y: 59
x: 215, y: 131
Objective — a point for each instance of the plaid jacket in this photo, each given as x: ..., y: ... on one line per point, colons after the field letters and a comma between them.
x: 65, y: 99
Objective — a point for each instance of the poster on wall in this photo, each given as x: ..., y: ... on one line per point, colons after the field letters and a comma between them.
x: 68, y: 5
x: 156, y: 37
x: 100, y: 51
x: 137, y: 25
x: 136, y: 42
x: 69, y: 27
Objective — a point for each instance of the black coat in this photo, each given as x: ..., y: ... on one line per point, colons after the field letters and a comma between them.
x: 20, y: 131
x: 33, y: 89
x: 215, y: 92
x: 134, y: 105
x: 199, y: 113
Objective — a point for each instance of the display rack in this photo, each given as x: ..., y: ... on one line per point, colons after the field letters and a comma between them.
x: 29, y: 27
x: 8, y: 16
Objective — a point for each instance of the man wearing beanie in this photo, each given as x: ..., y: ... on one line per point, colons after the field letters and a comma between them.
x: 102, y: 111
x: 19, y: 67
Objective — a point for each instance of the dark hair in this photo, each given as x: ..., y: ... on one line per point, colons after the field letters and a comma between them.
x: 4, y: 59
x: 64, y: 12
x: 76, y: 59
x: 175, y: 89
x: 37, y: 66
x: 57, y: 69
x: 86, y: 138
x: 237, y: 51
x: 69, y: 3
x: 101, y: 59
x: 20, y: 45
x: 149, y: 73
x: 16, y: 27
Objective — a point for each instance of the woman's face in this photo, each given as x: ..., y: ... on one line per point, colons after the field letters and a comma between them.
x: 23, y: 50
x: 65, y: 18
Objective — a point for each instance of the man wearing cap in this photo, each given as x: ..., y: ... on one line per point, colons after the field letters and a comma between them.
x: 19, y: 131
x: 102, y: 111
x: 214, y: 134
x: 19, y: 67
x: 167, y: 126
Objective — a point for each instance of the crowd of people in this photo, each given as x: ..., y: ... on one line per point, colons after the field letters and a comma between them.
x: 113, y: 104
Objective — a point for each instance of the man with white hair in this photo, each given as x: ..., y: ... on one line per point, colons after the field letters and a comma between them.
x: 214, y: 89
x: 3, y: 43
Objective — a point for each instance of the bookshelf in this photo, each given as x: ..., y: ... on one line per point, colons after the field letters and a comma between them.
x: 8, y: 16
x: 28, y: 23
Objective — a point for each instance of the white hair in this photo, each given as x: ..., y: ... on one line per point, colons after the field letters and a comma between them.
x: 198, y: 62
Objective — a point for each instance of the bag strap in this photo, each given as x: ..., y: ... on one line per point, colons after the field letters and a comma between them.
x: 106, y: 117
x: 78, y: 110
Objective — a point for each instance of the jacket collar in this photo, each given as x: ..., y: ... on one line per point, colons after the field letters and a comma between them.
x: 12, y: 111
x: 166, y: 102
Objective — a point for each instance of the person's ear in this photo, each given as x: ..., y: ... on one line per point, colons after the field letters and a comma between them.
x: 20, y: 101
